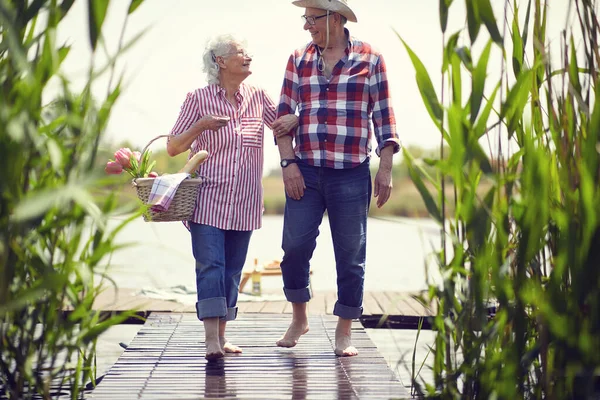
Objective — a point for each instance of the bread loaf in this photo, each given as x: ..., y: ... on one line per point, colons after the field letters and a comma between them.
x: 193, y: 163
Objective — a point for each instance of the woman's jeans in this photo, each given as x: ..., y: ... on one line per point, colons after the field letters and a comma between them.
x: 345, y: 194
x: 220, y: 256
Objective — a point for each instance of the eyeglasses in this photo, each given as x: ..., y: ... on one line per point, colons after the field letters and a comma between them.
x: 242, y: 53
x: 313, y: 19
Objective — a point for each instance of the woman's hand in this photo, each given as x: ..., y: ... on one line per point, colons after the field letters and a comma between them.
x: 213, y: 122
x: 283, y: 125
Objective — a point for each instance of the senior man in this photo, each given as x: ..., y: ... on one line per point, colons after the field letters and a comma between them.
x: 338, y: 85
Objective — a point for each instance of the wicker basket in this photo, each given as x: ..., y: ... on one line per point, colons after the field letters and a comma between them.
x: 181, y: 207
x: 183, y: 203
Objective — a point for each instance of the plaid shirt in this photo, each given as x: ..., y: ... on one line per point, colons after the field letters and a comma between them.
x: 335, y: 114
x: 231, y: 195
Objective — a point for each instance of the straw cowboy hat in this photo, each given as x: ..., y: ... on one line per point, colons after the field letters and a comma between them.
x: 338, y: 6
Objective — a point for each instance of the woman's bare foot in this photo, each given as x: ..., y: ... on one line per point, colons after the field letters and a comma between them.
x: 213, y: 350
x: 343, y: 346
x: 343, y: 342
x: 228, y: 347
x: 295, y: 330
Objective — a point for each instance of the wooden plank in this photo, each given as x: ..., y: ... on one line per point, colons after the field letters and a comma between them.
x: 254, y: 306
x: 370, y: 305
x: 400, y: 306
x: 330, y: 299
x: 375, y: 303
x: 165, y: 360
x: 273, y: 307
x: 316, y: 306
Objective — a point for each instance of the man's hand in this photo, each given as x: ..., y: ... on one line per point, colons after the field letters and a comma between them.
x: 284, y: 124
x: 293, y: 181
x: 383, y: 186
x: 383, y: 179
x: 213, y: 122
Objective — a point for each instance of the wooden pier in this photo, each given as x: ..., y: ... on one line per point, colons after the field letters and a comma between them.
x: 380, y: 309
x: 166, y: 361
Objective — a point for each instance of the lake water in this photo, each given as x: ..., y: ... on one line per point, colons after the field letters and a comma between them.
x: 398, y: 253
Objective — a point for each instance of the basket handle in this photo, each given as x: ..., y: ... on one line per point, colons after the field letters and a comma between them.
x: 153, y: 140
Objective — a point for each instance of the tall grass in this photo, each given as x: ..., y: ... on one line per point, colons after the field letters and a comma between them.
x: 53, y: 237
x: 531, y: 242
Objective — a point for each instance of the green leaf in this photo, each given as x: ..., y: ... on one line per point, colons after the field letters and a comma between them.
x: 487, y: 16
x: 473, y: 20
x: 517, y: 57
x: 96, y: 14
x: 33, y: 10
x: 444, y: 6
x: 432, y: 207
x: 478, y: 81
x: 573, y: 69
x: 450, y: 49
x: 134, y: 5
x: 481, y: 125
x: 516, y: 100
x: 425, y: 87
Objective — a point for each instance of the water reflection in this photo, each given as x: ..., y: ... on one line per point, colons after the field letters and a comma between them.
x: 215, y: 383
x: 299, y: 379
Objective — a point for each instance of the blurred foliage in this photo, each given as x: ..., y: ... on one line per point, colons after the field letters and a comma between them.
x: 55, y: 237
x: 519, y: 301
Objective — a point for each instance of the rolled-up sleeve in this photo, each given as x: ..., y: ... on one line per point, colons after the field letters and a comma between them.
x: 383, y: 117
x: 289, y: 90
x: 269, y: 110
x: 188, y: 114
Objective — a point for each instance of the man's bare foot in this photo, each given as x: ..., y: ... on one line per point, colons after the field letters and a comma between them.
x: 296, y: 329
x: 228, y: 347
x: 213, y: 350
x: 343, y: 346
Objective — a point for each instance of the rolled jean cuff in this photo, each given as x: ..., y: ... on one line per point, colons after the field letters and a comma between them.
x: 212, y: 308
x: 298, y: 295
x: 346, y: 312
x: 231, y: 314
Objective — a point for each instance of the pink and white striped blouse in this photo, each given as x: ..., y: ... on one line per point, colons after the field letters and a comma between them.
x: 231, y: 197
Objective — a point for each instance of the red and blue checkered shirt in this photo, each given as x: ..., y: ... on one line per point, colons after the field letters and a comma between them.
x: 337, y: 116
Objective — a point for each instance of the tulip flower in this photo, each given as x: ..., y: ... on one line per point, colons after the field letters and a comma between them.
x: 123, y: 157
x: 113, y: 168
x: 153, y: 174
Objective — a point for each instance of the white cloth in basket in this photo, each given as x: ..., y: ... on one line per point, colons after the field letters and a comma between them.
x: 163, y: 190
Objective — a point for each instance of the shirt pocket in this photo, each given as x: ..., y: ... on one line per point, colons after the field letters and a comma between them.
x: 252, y: 132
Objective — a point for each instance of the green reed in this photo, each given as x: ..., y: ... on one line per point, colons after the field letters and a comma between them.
x: 529, y: 242
x: 54, y: 239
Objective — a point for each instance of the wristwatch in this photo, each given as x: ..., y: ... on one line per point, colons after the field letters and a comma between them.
x: 287, y: 161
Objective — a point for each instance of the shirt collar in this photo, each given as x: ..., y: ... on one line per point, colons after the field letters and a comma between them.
x: 217, y: 90
x: 349, y: 45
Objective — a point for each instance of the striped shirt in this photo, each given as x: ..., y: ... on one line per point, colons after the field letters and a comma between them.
x: 337, y: 115
x: 231, y: 196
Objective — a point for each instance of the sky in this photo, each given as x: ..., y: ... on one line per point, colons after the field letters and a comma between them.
x: 166, y: 62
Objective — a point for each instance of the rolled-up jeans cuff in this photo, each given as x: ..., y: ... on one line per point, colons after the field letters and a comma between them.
x: 298, y: 295
x: 231, y: 314
x: 211, y: 308
x: 347, y: 312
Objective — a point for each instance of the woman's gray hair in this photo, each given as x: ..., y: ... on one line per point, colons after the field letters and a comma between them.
x: 217, y: 46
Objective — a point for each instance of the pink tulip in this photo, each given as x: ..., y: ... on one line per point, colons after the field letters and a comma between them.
x: 138, y: 156
x: 123, y: 157
x: 113, y: 168
x: 153, y: 174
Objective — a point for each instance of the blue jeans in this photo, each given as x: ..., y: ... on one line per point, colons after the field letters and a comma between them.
x: 220, y: 256
x: 345, y: 194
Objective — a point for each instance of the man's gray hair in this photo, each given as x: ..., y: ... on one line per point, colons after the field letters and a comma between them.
x: 215, y: 47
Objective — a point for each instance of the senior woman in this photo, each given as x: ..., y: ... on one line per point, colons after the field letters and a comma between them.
x: 225, y: 118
